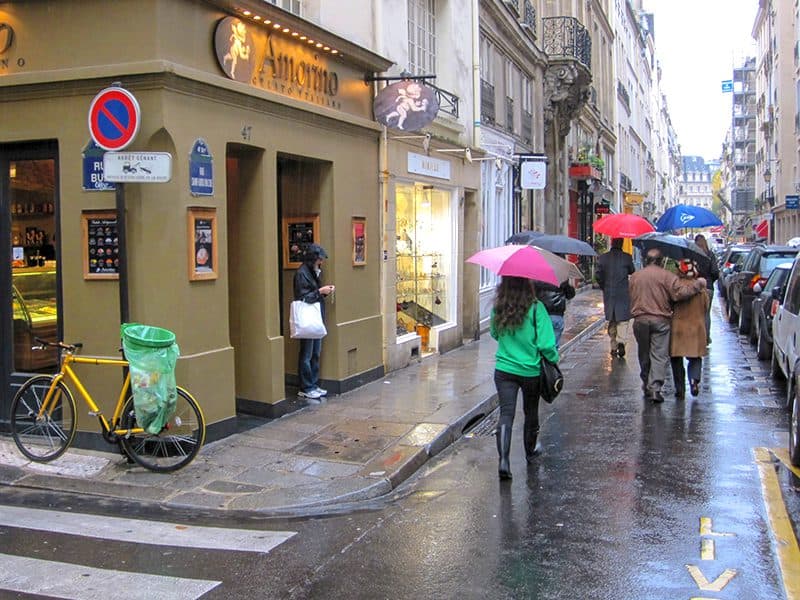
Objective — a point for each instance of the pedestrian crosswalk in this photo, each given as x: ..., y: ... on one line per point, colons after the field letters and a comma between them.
x: 64, y: 577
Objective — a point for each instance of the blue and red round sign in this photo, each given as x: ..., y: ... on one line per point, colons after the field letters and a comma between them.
x: 114, y: 118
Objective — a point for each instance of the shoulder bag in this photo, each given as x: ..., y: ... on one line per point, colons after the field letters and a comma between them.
x: 551, y: 381
x: 305, y: 321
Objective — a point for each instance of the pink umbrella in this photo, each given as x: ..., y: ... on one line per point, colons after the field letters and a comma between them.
x: 518, y: 261
x: 623, y: 225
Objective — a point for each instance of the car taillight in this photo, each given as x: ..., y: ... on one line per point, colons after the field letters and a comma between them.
x: 757, y: 279
x: 774, y: 308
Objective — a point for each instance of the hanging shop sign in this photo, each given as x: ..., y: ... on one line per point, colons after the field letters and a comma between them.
x: 93, y: 180
x: 252, y: 54
x: 406, y: 105
x: 602, y: 208
x: 114, y: 118
x: 533, y: 174
x: 792, y: 201
x: 201, y: 169
x: 137, y: 167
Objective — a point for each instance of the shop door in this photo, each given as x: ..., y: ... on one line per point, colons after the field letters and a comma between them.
x: 29, y: 265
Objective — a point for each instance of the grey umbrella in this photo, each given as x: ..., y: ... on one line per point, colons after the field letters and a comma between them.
x: 673, y: 246
x: 560, y: 244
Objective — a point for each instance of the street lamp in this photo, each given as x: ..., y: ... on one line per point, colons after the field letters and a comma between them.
x: 767, y: 175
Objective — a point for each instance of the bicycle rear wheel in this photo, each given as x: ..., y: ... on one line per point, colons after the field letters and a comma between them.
x: 43, y: 438
x: 175, y: 446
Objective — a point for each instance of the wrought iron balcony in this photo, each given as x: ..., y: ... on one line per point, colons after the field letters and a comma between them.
x: 448, y: 102
x: 565, y: 37
x: 529, y: 15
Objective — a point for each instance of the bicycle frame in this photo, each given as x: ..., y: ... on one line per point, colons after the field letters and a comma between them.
x: 66, y: 372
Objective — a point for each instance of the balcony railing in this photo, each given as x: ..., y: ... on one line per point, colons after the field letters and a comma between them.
x: 448, y: 102
x: 487, y: 102
x: 566, y: 37
x: 529, y: 15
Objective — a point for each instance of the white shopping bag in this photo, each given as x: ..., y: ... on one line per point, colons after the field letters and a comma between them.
x: 305, y: 321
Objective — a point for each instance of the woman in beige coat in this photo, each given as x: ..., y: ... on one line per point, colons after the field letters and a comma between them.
x: 688, y: 335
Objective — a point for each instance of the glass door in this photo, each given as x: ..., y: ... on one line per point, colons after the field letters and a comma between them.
x: 29, y: 272
x: 424, y: 257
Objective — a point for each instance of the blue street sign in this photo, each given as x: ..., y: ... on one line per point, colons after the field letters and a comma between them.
x: 201, y: 169
x: 727, y: 85
x: 792, y: 201
x: 93, y: 169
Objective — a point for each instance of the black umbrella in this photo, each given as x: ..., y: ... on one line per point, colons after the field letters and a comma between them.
x: 673, y: 246
x: 560, y: 244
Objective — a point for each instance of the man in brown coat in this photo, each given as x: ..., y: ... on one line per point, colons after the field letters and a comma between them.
x: 653, y: 290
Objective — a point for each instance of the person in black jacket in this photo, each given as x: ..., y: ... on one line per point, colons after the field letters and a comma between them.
x: 611, y: 272
x: 555, y: 302
x: 307, y: 288
x: 710, y: 274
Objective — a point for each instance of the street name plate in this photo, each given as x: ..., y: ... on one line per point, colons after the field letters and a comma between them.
x: 137, y: 167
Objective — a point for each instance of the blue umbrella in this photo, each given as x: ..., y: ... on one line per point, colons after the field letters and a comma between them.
x: 682, y: 216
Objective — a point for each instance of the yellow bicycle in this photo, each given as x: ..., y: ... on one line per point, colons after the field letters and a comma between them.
x: 43, y: 421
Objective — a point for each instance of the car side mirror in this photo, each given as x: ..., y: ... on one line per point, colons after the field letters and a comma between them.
x: 757, y: 288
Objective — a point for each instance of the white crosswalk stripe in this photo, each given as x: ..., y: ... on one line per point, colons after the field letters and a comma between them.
x: 57, y: 579
x: 143, y: 532
x: 64, y: 580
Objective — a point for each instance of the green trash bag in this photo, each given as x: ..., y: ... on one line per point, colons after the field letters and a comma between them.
x: 151, y: 353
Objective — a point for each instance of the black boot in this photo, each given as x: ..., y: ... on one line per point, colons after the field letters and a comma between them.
x: 504, y: 449
x: 533, y: 447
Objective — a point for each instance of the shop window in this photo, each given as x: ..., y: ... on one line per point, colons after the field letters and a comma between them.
x: 424, y: 258
x: 33, y: 260
x: 293, y: 6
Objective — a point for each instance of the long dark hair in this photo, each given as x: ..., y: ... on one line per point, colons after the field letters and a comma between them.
x: 512, y: 300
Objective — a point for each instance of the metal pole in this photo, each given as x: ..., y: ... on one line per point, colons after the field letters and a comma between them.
x: 124, y: 311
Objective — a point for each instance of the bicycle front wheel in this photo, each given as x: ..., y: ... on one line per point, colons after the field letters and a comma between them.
x: 175, y: 446
x: 46, y: 436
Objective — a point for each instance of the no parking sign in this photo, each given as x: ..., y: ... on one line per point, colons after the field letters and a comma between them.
x: 114, y: 118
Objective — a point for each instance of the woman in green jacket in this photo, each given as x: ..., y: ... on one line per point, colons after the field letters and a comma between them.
x: 524, y: 332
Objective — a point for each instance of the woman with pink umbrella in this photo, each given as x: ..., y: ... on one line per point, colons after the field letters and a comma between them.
x: 524, y: 334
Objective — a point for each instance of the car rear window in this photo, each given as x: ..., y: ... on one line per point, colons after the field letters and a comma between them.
x: 770, y: 261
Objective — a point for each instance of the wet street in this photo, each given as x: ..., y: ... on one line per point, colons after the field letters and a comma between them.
x: 685, y: 499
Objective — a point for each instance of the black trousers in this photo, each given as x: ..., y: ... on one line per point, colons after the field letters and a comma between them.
x: 508, y: 386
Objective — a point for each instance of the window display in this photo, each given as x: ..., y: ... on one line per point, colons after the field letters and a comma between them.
x: 35, y: 315
x: 424, y: 241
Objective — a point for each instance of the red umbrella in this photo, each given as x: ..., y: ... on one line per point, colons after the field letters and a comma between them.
x: 623, y: 225
x: 522, y: 261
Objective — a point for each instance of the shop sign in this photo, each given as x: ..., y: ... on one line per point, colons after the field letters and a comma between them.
x: 6, y: 42
x: 201, y: 169
x: 419, y: 164
x: 406, y: 105
x: 533, y: 174
x: 251, y: 54
x: 602, y: 208
x: 138, y: 167
x: 792, y: 201
x: 93, y: 180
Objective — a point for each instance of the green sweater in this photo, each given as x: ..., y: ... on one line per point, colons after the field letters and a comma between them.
x: 518, y: 351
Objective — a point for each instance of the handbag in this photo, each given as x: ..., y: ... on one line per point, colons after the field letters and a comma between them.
x: 305, y: 321
x: 551, y: 380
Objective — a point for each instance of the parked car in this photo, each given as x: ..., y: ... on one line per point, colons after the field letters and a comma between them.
x: 733, y: 255
x: 785, y: 359
x: 754, y: 270
x: 765, y: 305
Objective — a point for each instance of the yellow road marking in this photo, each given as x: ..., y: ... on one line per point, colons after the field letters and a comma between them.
x: 711, y: 586
x: 706, y: 549
x: 780, y: 524
x: 705, y: 528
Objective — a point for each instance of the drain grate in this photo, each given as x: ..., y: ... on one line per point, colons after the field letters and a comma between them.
x: 485, y: 427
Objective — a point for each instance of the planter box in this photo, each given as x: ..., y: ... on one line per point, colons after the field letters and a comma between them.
x: 584, y: 172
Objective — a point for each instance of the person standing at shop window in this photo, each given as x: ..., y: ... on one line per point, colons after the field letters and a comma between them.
x: 307, y: 288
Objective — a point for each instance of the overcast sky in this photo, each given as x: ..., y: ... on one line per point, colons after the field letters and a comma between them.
x: 697, y: 42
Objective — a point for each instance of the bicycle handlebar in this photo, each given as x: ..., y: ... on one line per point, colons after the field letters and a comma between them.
x: 45, y: 343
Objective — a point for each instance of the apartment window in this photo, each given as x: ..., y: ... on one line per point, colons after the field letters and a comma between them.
x: 527, y: 95
x: 422, y: 36
x: 293, y: 6
x: 487, y: 55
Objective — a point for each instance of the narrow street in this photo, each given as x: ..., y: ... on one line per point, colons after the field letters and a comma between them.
x: 629, y: 500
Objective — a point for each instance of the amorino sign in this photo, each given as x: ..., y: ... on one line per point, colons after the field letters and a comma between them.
x: 273, y: 61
